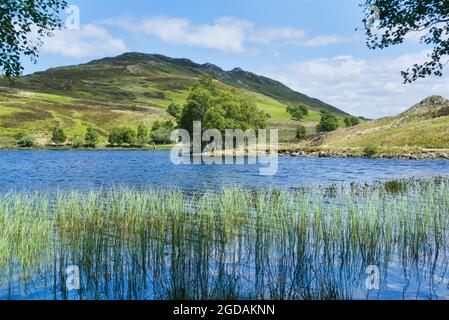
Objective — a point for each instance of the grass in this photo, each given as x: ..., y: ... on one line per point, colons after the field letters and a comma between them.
x: 312, y: 243
x: 125, y: 91
x: 394, y: 132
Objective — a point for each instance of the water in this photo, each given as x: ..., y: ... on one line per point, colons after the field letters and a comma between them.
x: 81, y: 170
x: 162, y: 264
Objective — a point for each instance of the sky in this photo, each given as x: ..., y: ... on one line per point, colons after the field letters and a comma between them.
x: 311, y: 46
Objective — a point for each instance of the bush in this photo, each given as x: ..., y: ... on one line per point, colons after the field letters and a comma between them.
x: 78, y: 142
x: 301, y: 133
x: 370, y: 151
x: 142, y: 134
x: 328, y: 122
x: 298, y: 112
x: 19, y: 136
x: 58, y: 136
x: 161, y: 132
x: 121, y: 136
x: 352, y: 121
x: 91, y: 138
x: 174, y: 110
x: 26, y: 142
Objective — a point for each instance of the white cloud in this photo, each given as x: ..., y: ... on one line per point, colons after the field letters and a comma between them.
x: 323, y: 41
x: 367, y: 87
x: 89, y: 40
x: 270, y: 35
x: 226, y: 34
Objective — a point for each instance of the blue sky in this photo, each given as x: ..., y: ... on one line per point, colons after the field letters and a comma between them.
x: 310, y: 45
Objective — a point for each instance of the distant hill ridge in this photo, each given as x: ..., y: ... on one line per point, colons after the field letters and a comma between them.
x: 236, y: 77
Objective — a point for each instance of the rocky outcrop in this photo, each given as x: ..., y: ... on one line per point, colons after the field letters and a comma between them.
x: 430, y: 106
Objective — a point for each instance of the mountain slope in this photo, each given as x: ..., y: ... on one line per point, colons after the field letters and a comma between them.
x: 425, y: 125
x: 128, y: 89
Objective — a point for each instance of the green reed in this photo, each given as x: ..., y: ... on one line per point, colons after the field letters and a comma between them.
x: 235, y: 243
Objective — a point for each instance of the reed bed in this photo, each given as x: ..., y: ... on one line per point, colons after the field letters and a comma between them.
x: 310, y: 243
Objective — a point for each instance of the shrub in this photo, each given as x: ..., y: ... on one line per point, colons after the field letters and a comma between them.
x: 91, y: 138
x: 328, y: 122
x: 370, y: 151
x: 19, y: 136
x: 301, y: 133
x: 352, y: 121
x: 174, y: 110
x: 121, y: 136
x: 58, y: 136
x: 161, y: 132
x: 298, y: 112
x: 142, y: 134
x: 26, y: 142
x: 78, y: 142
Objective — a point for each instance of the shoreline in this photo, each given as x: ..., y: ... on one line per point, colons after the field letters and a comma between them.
x: 406, y: 155
x: 411, y: 154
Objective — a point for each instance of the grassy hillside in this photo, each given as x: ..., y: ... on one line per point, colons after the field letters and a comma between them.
x: 424, y: 126
x: 127, y: 90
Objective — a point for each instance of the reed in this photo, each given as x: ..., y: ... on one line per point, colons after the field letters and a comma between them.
x: 311, y: 243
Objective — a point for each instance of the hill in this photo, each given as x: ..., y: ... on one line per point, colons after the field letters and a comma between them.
x: 423, y: 126
x: 129, y: 89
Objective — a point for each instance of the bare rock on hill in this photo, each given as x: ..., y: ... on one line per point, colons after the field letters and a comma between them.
x: 436, y: 106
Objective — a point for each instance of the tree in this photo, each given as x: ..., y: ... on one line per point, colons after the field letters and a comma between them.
x: 115, y: 137
x: 20, y: 22
x: 328, y: 122
x: 301, y: 133
x: 121, y: 136
x: 78, y: 142
x: 142, y: 134
x: 174, y: 110
x: 298, y: 112
x: 58, y: 136
x: 398, y: 20
x: 91, y: 138
x: 352, y: 121
x: 128, y: 135
x: 161, y: 131
x: 219, y: 109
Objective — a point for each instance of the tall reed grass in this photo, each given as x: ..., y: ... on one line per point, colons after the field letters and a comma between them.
x: 310, y: 243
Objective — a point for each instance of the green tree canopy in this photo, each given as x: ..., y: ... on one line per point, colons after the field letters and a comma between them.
x: 352, y: 121
x: 399, y: 19
x: 142, y: 134
x: 328, y: 122
x: 91, y: 138
x: 161, y: 131
x: 58, y: 136
x: 301, y: 133
x: 298, y: 112
x: 20, y: 21
x: 122, y: 136
x: 220, y: 109
x: 174, y: 110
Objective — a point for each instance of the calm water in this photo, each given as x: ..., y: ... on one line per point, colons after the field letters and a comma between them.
x: 168, y: 265
x: 49, y: 170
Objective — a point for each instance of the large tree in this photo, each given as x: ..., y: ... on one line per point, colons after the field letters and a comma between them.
x: 397, y: 20
x: 23, y: 25
x: 220, y: 109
